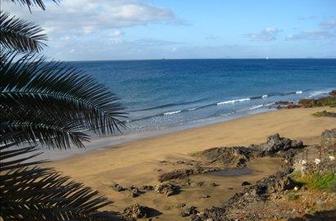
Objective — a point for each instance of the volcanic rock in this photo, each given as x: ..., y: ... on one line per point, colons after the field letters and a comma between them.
x: 167, y: 189
x: 137, y: 211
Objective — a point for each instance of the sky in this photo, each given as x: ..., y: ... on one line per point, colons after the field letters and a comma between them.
x: 181, y: 29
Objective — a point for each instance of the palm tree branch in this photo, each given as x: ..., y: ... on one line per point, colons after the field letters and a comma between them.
x: 30, y: 3
x: 41, y: 83
x: 19, y: 35
x: 34, y: 193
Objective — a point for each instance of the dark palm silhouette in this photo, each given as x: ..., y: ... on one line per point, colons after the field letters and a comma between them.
x: 45, y: 104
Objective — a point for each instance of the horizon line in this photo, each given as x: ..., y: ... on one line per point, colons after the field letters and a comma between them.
x: 167, y: 59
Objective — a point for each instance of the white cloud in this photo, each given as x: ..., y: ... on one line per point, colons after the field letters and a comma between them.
x: 78, y: 27
x: 87, y: 16
x: 326, y: 30
x: 267, y: 34
x: 328, y: 24
x: 311, y: 35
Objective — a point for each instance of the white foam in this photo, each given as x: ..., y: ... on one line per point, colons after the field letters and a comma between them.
x: 264, y: 96
x: 299, y: 92
x: 172, y: 112
x: 233, y: 101
x: 256, y: 107
x: 318, y: 93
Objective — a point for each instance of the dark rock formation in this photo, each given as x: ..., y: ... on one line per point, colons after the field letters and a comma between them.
x: 146, y: 188
x: 228, y: 156
x: 167, y: 189
x: 188, y: 210
x: 175, y: 174
x: 134, y: 191
x: 137, y: 211
x: 286, y: 105
x: 117, y: 187
x: 245, y: 183
x: 276, y: 144
x: 261, y: 191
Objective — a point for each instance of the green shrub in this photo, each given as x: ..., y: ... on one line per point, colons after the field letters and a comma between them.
x: 325, y: 181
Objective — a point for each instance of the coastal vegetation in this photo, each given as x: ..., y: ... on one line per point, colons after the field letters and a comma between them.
x: 325, y: 114
x: 320, y: 102
x: 45, y: 105
x: 318, y: 180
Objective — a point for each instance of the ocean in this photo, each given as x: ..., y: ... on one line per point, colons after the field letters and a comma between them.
x: 174, y: 94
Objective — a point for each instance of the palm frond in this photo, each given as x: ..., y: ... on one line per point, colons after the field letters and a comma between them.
x: 30, y: 3
x: 50, y: 100
x: 19, y: 35
x: 31, y: 193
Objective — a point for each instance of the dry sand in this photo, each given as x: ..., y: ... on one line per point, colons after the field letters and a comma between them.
x: 137, y: 162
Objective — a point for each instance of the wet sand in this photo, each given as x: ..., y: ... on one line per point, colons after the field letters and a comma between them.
x: 136, y: 163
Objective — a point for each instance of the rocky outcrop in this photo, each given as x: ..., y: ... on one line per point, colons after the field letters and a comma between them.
x: 167, y: 189
x: 219, y: 158
x: 286, y: 105
x: 134, y: 191
x: 228, y: 156
x: 276, y: 145
x: 188, y: 211
x: 137, y: 211
x: 117, y: 187
x: 261, y: 191
x: 328, y: 138
x: 183, y: 173
x: 176, y: 174
x: 333, y: 93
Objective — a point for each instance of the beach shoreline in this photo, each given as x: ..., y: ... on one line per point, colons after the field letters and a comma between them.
x: 110, y: 142
x: 139, y: 162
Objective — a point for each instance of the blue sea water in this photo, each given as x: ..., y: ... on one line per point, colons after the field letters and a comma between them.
x: 168, y: 94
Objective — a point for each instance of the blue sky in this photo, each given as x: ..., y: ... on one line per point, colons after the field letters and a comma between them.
x: 155, y: 29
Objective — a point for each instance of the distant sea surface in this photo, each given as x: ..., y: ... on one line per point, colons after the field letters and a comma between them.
x: 174, y: 94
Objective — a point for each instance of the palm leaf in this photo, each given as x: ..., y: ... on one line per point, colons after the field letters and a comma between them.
x: 30, y: 3
x: 19, y: 35
x: 32, y: 193
x: 53, y: 103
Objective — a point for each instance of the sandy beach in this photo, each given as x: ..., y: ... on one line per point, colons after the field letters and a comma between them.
x: 137, y: 163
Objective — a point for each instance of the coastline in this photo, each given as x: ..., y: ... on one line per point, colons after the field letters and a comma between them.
x: 110, y: 142
x: 137, y: 162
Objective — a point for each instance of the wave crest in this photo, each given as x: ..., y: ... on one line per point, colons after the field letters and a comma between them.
x: 233, y: 101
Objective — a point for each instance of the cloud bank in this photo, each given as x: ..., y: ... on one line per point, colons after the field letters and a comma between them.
x: 267, y: 34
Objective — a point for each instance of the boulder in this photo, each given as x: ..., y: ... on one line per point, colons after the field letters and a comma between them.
x: 134, y: 191
x: 167, y: 189
x: 276, y: 144
x: 245, y: 183
x: 278, y: 182
x: 228, y: 156
x: 146, y: 188
x: 188, y: 210
x: 328, y: 138
x: 137, y: 211
x: 117, y: 187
